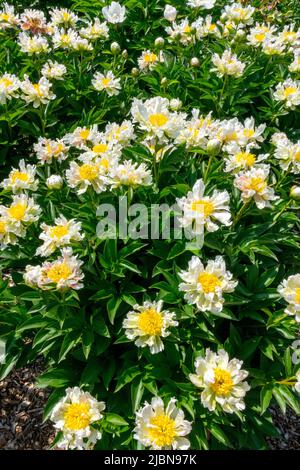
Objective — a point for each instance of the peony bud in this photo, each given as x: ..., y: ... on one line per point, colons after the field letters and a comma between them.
x: 195, y: 62
x: 175, y: 104
x: 125, y: 54
x: 54, y: 182
x: 295, y: 193
x: 159, y: 42
x: 213, y: 146
x: 115, y: 48
x: 170, y: 13
x: 164, y: 81
x: 135, y: 72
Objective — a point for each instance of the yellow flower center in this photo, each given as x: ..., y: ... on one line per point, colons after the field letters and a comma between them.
x: 18, y: 175
x: 230, y: 136
x: 58, y: 231
x: 289, y: 91
x: 5, y: 82
x: 297, y: 156
x: 104, y: 163
x: 206, y: 207
x: 223, y: 382
x: 150, y: 58
x: 4, y: 17
x: 158, y: 119
x: 66, y: 16
x: 106, y: 81
x: 2, y: 227
x: 248, y: 133
x: 77, y: 416
x: 100, y: 148
x: 260, y: 36
x: 65, y: 39
x: 84, y: 133
x: 58, y: 272
x: 17, y: 211
x: 88, y: 172
x: 163, y: 432
x: 288, y: 35
x: 257, y: 184
x: 150, y: 322
x: 212, y: 27
x: 209, y: 282
x: 297, y: 295
x: 37, y: 88
x: 187, y: 29
x: 245, y: 157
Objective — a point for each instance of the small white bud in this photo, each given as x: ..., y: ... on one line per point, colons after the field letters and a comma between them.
x: 159, y: 42
x: 213, y: 146
x: 295, y: 193
x: 195, y: 62
x: 54, y: 182
x: 135, y: 72
x: 170, y: 13
x: 115, y: 48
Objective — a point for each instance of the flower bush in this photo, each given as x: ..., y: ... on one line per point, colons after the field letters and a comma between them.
x: 152, y: 341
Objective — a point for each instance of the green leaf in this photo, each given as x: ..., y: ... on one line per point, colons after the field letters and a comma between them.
x: 137, y: 390
x: 68, y: 343
x: 115, y: 419
x: 127, y: 376
x: 220, y: 435
x: 265, y: 397
x: 112, y: 307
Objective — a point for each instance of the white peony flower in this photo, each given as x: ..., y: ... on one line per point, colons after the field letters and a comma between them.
x: 295, y: 65
x: 289, y: 289
x: 61, y: 234
x: 114, y: 13
x: 73, y: 415
x: 22, y: 211
x: 131, y: 174
x: 33, y: 44
x: 147, y: 324
x: 204, y: 286
x: 61, y: 274
x: 227, y: 64
x: 204, y: 211
x: 95, y: 30
x: 9, y: 86
x: 222, y: 381
x: 148, y: 60
x: 21, y: 179
x: 63, y: 17
x: 8, y: 17
x: 88, y: 173
x: 106, y: 82
x: 48, y: 150
x: 253, y: 184
x: 205, y: 4
x: 54, y: 70
x: 160, y: 427
x: 288, y: 92
x: 37, y: 93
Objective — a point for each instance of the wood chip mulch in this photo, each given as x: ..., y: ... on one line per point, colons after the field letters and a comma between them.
x: 21, y: 411
x: 21, y: 415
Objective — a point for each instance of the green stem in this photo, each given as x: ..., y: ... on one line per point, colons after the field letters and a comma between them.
x: 240, y: 213
x: 206, y: 174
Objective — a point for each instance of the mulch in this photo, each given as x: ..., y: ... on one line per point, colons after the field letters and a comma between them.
x: 21, y: 415
x: 21, y: 411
